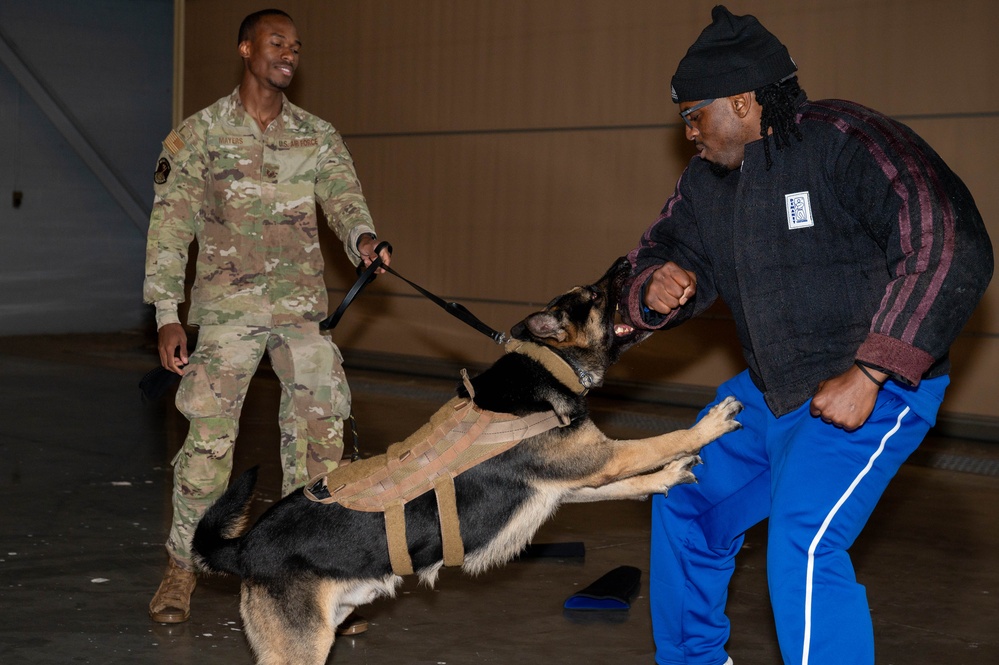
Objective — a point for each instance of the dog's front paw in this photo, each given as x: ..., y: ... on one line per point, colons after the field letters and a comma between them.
x: 679, y: 472
x: 729, y: 408
x: 687, y: 473
x: 720, y: 419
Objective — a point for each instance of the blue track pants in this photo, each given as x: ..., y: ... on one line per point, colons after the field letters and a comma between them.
x: 818, y: 485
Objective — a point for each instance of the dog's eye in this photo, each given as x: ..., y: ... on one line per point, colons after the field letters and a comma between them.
x: 594, y: 294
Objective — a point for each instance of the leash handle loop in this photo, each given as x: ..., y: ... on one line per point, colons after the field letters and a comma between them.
x: 365, y: 276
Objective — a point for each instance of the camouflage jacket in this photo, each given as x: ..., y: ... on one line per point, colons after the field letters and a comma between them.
x: 249, y: 197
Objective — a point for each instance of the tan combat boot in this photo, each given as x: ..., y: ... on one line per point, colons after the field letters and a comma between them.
x: 172, y: 602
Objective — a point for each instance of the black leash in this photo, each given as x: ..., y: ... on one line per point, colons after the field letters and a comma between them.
x: 454, y: 309
x: 365, y: 276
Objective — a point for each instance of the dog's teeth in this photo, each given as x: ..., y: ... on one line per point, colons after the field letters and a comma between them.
x: 622, y: 329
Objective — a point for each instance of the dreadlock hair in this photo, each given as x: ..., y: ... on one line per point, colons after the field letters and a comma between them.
x: 779, y: 107
x: 249, y: 24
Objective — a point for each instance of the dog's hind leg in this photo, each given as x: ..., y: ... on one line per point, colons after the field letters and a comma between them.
x: 293, y: 628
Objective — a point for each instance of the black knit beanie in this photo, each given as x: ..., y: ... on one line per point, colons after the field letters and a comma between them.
x: 734, y: 54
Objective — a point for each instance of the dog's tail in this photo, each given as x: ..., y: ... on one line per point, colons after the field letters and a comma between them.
x: 216, y: 539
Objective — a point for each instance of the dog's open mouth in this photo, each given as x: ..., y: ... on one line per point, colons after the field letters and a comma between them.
x: 626, y: 335
x: 622, y: 329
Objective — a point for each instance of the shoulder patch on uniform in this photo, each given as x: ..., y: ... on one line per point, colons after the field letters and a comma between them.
x: 162, y: 171
x: 173, y: 142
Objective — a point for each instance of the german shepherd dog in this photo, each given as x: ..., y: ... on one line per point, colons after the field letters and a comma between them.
x: 306, y: 565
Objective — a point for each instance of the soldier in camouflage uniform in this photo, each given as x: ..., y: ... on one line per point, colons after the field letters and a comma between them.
x: 242, y: 177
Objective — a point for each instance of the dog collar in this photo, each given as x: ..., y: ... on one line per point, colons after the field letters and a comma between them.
x: 574, y: 379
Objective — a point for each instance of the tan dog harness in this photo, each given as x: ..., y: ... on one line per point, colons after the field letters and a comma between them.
x: 459, y: 436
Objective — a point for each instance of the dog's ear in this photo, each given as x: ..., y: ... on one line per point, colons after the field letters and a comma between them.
x: 546, y: 326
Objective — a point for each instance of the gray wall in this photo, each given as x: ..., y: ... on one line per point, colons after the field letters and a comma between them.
x: 71, y: 255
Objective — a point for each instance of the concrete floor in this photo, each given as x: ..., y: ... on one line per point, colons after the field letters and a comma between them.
x: 85, y: 484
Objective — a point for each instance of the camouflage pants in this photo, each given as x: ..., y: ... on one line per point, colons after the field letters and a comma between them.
x: 315, y: 400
